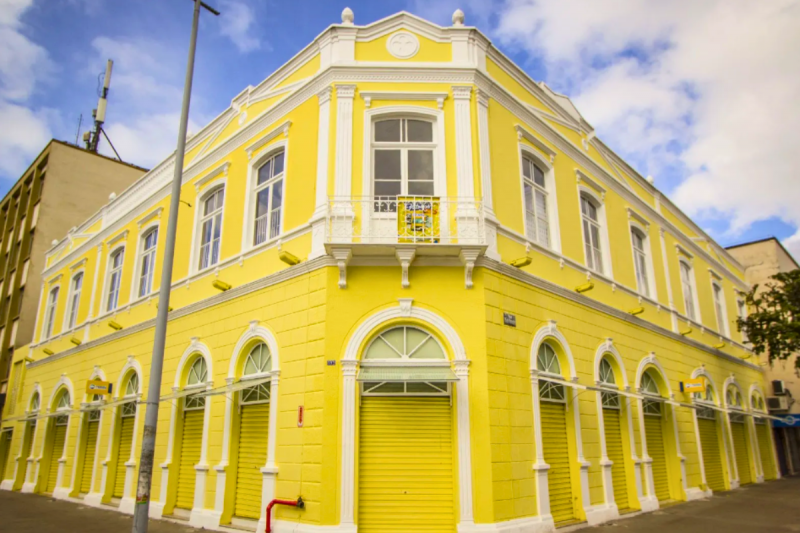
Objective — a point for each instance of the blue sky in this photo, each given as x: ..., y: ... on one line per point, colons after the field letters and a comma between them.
x: 703, y: 96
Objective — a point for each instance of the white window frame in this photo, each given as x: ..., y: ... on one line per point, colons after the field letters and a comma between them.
x: 371, y: 116
x: 720, y: 313
x: 251, y: 193
x: 552, y: 196
x: 692, y: 286
x: 211, y: 188
x: 648, y: 257
x: 109, y: 279
x: 50, y: 310
x: 741, y: 309
x: 605, y: 249
x: 73, y: 308
x: 140, y: 253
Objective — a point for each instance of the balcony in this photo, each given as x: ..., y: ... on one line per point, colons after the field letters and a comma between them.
x: 444, y: 230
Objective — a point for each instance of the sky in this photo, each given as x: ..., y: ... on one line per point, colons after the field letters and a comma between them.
x: 704, y: 96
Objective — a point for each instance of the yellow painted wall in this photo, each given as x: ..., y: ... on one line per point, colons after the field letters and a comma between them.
x: 429, y: 50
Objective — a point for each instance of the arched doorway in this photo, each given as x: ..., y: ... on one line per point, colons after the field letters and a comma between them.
x: 738, y: 423
x: 126, y: 424
x: 653, y: 413
x: 709, y: 430
x: 191, y: 434
x: 406, y: 444
x: 91, y: 430
x: 612, y: 407
x: 55, y: 444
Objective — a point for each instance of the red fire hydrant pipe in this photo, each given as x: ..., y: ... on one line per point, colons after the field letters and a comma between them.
x: 299, y: 504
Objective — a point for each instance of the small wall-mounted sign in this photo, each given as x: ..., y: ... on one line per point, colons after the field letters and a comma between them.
x: 300, y: 414
x: 331, y: 362
x: 693, y: 385
x: 510, y: 320
x: 97, y: 386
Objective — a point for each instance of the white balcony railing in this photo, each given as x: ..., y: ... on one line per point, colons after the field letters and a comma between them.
x: 418, y: 220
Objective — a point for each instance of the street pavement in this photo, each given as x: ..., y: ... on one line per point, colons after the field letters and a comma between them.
x: 769, y: 507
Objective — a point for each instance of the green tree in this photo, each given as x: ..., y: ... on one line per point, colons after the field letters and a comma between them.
x: 773, y: 325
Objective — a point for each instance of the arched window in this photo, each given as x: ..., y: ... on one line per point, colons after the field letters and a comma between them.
x: 114, y: 278
x: 198, y: 375
x: 687, y: 284
x: 719, y: 308
x: 591, y: 233
x: 269, y: 199
x: 211, y: 228
x: 50, y: 313
x: 547, y: 362
x: 35, y: 402
x: 707, y: 398
x: 640, y: 264
x: 131, y: 390
x: 607, y: 379
x: 147, y: 262
x: 63, y: 402
x: 403, y: 154
x: 405, y: 344
x: 258, y: 363
x: 734, y: 398
x: 74, y: 300
x: 537, y: 225
x: 650, y: 388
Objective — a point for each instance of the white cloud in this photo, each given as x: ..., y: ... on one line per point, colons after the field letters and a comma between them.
x: 237, y: 21
x: 708, y: 88
x: 147, y: 139
x: 20, y: 143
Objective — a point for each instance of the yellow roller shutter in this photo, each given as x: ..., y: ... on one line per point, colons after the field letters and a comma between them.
x: 191, y: 444
x: 614, y: 450
x: 712, y: 460
x: 57, y: 450
x: 655, y: 449
x: 405, y: 470
x: 742, y: 452
x: 253, y: 432
x: 88, y: 456
x: 765, y: 451
x: 556, y: 454
x: 124, y: 454
x: 5, y: 445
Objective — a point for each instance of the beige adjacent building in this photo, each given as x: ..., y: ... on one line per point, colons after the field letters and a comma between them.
x: 61, y: 188
x: 761, y: 260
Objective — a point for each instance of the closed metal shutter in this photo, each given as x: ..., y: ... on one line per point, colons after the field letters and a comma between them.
x: 88, y: 456
x: 253, y: 432
x: 765, y: 450
x: 124, y: 454
x: 556, y: 454
x: 405, y: 469
x: 712, y: 460
x: 742, y: 452
x: 613, y: 433
x: 57, y: 450
x: 191, y: 443
x: 655, y: 449
x: 5, y: 445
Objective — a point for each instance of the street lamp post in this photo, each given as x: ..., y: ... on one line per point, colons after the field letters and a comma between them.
x: 142, y: 508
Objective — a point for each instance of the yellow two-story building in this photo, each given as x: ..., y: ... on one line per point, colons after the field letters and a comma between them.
x: 411, y: 287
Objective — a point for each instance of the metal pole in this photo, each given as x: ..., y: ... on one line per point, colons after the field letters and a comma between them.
x: 142, y: 508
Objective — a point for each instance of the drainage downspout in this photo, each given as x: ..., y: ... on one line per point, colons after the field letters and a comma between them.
x: 299, y: 504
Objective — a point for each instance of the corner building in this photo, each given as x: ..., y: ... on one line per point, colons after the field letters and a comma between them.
x: 412, y: 287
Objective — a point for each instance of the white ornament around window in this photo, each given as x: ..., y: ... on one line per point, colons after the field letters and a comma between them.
x: 403, y: 45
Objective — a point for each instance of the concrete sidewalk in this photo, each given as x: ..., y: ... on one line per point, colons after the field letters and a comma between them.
x: 769, y: 507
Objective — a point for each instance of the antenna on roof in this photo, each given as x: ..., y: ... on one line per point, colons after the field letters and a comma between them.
x: 92, y: 138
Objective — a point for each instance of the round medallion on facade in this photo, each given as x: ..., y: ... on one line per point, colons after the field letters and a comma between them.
x: 403, y: 45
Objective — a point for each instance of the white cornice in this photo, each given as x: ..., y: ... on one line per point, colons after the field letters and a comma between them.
x: 370, y: 96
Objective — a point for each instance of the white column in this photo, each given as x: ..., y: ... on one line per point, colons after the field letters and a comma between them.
x: 605, y: 462
x: 462, y: 95
x: 81, y: 421
x: 269, y: 471
x: 637, y: 463
x: 733, y: 468
x: 681, y: 457
x: 696, y: 424
x: 648, y: 502
x: 347, y: 519
x: 221, y: 469
x: 321, y: 196
x: 464, y: 444
x: 342, y: 208
x: 95, y: 498
x: 670, y: 297
x: 157, y: 506
x: 540, y: 467
x: 32, y: 470
x: 127, y: 503
x: 197, y: 517
x: 750, y: 426
x: 490, y: 222
x: 591, y: 517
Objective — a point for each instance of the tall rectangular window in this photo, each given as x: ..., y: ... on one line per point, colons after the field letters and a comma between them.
x: 742, y: 309
x: 688, y: 290
x: 147, y: 262
x: 50, y: 313
x: 115, y: 279
x: 537, y: 226
x: 74, y: 301
x: 211, y: 228
x: 269, y: 199
x: 719, y: 308
x: 591, y: 234
x: 640, y: 261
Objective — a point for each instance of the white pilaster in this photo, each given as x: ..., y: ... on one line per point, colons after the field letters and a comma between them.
x: 349, y: 369
x: 637, y: 463
x: 464, y: 444
x: 32, y: 470
x: 198, y: 516
x: 221, y: 469
x: 462, y: 96
x: 490, y: 220
x: 321, y: 192
x: 707, y: 491
x: 269, y: 472
x: 681, y: 457
x: 540, y: 466
x: 670, y: 297
x: 605, y: 462
x: 648, y: 502
x: 343, y: 186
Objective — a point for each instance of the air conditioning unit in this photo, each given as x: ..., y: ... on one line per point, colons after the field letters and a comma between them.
x: 778, y: 403
x: 778, y: 387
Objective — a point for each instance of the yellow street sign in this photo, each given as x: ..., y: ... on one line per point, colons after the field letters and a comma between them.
x: 96, y: 386
x: 694, y: 385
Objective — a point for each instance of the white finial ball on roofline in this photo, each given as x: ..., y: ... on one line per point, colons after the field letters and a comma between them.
x: 112, y: 196
x: 347, y: 16
x: 458, y: 18
x: 650, y: 179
